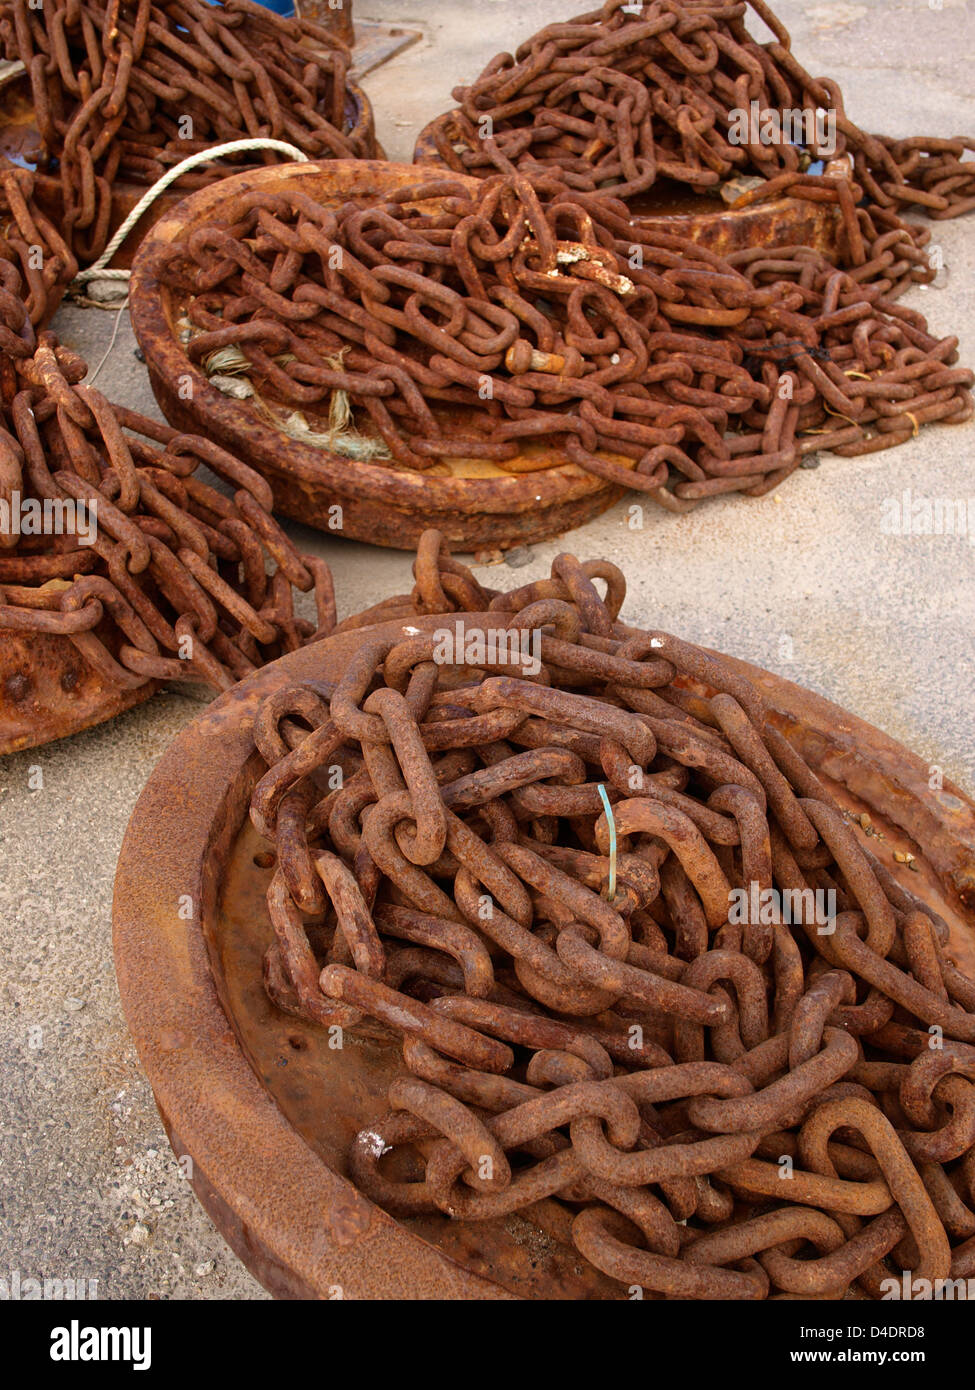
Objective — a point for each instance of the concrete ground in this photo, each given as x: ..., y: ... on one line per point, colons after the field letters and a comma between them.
x: 804, y: 581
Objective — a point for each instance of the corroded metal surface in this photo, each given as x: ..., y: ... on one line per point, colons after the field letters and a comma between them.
x: 704, y: 220
x: 275, y: 1178
x: 588, y: 834
x: 418, y: 317
x: 20, y: 147
x: 335, y: 19
x: 38, y: 264
x: 119, y: 567
x: 48, y: 691
x: 621, y: 96
x: 132, y: 90
x: 371, y: 42
x: 478, y: 506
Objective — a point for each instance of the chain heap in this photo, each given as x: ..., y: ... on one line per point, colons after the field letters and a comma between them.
x: 589, y: 1035
x: 31, y: 250
x: 617, y: 100
x: 175, y: 583
x: 564, y: 320
x: 127, y: 91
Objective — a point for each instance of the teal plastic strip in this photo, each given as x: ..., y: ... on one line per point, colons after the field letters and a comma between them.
x: 611, y: 822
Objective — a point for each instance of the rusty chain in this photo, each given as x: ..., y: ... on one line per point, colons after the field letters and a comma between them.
x: 617, y: 99
x: 707, y: 1104
x: 468, y: 323
x: 126, y: 92
x: 169, y: 578
x: 32, y: 250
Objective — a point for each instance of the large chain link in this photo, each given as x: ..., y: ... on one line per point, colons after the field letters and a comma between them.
x: 33, y: 252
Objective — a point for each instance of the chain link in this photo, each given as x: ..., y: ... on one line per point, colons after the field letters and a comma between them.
x: 617, y: 100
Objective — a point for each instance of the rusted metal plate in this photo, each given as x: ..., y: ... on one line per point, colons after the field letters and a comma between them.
x: 376, y: 42
x: 48, y: 691
x: 675, y: 209
x: 478, y: 505
x: 20, y: 145
x: 257, y: 1100
x: 335, y: 17
x: 372, y: 42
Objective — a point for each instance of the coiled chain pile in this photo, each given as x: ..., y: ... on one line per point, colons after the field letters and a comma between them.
x: 32, y: 251
x: 174, y: 584
x: 708, y: 1107
x: 127, y: 91
x: 616, y: 100
x: 517, y: 310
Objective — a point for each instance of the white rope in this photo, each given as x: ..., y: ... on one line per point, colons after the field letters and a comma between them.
x: 98, y: 270
x: 111, y: 342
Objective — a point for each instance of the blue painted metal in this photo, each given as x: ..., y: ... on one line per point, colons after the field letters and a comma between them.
x: 278, y: 6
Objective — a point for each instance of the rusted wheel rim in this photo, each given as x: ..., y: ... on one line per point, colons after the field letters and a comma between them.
x: 509, y: 509
x: 48, y: 691
x: 212, y: 1047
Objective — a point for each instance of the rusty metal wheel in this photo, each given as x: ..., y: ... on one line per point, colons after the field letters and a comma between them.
x: 48, y: 691
x: 479, y: 505
x: 258, y: 1101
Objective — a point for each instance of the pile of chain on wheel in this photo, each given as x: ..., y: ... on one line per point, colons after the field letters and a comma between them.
x: 32, y: 251
x: 175, y: 583
x: 617, y: 99
x: 524, y: 310
x: 124, y: 92
x: 706, y: 1107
